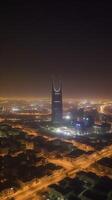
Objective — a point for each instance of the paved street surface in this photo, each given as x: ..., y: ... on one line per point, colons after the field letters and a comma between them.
x: 70, y: 167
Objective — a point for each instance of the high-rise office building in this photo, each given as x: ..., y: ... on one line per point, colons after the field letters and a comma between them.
x: 57, y: 109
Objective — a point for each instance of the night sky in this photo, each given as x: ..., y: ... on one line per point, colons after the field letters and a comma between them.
x: 70, y: 40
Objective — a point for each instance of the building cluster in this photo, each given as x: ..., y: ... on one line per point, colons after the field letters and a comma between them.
x: 53, y: 147
x: 85, y: 186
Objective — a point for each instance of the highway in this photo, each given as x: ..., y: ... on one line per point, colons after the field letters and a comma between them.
x: 100, y: 170
x: 70, y: 167
x: 80, y: 164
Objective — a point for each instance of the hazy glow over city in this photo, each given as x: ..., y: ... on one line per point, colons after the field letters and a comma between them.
x: 56, y: 100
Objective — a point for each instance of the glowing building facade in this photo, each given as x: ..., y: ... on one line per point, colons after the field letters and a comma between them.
x: 57, y: 110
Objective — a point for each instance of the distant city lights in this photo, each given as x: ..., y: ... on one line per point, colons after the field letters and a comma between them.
x: 15, y: 109
x: 67, y: 117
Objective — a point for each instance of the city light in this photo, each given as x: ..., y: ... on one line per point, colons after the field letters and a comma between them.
x: 56, y: 100
x: 68, y: 117
x: 15, y: 109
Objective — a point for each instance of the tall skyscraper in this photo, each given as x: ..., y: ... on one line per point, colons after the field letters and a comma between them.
x: 57, y: 109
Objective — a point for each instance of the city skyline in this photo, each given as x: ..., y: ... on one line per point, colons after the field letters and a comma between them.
x: 55, y: 100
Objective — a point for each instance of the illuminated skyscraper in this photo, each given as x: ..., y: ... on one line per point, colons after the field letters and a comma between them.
x: 57, y: 103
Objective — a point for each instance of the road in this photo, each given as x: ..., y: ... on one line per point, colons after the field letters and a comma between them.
x: 77, y: 165
x: 100, y: 170
x: 35, y: 133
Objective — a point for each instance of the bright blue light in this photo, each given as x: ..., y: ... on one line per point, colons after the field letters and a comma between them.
x: 78, y: 125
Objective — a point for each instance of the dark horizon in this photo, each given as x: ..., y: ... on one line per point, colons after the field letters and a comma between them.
x: 68, y: 40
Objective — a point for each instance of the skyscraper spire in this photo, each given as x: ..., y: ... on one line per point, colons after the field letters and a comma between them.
x: 57, y: 103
